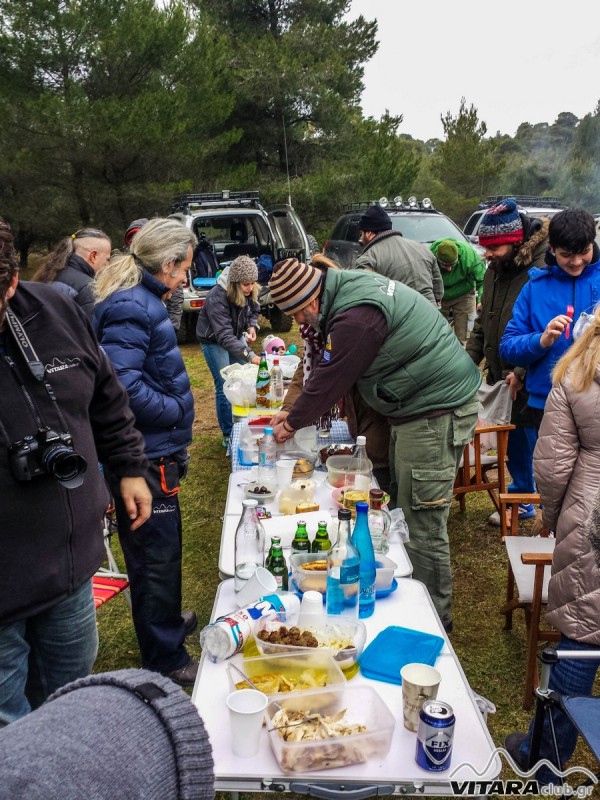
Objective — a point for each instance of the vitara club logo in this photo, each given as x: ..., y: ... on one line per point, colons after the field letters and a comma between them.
x: 163, y: 509
x: 58, y: 365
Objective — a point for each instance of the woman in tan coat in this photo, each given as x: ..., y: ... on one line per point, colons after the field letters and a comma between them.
x: 567, y: 472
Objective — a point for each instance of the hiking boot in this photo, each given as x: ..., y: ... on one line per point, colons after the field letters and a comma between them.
x: 512, y: 745
x: 190, y: 622
x: 526, y: 511
x: 184, y: 676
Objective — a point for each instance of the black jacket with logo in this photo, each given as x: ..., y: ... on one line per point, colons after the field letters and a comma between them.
x: 50, y: 536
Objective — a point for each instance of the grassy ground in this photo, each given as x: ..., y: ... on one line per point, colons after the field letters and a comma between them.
x: 493, y: 659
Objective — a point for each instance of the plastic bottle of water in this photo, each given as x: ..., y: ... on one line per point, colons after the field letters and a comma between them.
x: 343, y: 571
x: 249, y: 544
x: 358, y: 473
x: 267, y: 458
x: 276, y: 386
x: 361, y: 539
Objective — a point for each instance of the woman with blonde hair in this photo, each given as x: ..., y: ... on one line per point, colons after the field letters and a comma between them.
x: 567, y: 472
x: 134, y: 329
x: 227, y: 325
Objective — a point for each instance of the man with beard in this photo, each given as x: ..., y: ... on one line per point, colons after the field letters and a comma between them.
x: 513, y: 244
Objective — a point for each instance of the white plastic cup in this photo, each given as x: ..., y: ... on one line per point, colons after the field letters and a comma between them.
x: 420, y: 682
x: 258, y: 584
x: 246, y: 710
x: 284, y: 470
x: 311, y: 607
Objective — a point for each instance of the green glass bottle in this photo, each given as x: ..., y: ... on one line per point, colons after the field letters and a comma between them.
x: 275, y: 540
x: 263, y: 383
x: 321, y: 542
x: 301, y: 542
x: 277, y: 565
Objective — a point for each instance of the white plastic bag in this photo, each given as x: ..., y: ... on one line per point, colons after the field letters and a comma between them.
x: 240, y: 384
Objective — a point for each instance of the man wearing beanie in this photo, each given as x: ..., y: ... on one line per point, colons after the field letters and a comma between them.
x: 462, y: 273
x: 389, y: 343
x: 387, y: 252
x: 513, y: 244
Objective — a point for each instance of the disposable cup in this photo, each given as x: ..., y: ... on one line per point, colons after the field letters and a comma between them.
x: 258, y: 584
x: 311, y: 607
x: 246, y: 710
x: 420, y: 682
x: 284, y: 470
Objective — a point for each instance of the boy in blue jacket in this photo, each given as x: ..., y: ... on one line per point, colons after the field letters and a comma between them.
x: 540, y: 329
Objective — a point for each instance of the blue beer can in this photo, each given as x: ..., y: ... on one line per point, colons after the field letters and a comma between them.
x: 435, y: 735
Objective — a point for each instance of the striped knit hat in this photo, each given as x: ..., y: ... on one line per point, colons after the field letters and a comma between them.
x: 294, y: 285
x: 501, y: 224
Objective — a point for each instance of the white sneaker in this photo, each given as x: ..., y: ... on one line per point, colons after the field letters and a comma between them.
x: 526, y: 511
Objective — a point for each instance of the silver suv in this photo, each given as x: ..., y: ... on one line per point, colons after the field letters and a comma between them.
x: 231, y: 224
x: 530, y: 205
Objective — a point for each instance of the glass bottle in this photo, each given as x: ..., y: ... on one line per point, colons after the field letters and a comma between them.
x: 267, y: 458
x: 277, y: 565
x: 358, y: 473
x: 321, y: 542
x: 343, y: 571
x: 301, y: 542
x: 379, y: 522
x: 263, y: 381
x: 249, y: 544
x: 361, y: 539
x: 276, y: 388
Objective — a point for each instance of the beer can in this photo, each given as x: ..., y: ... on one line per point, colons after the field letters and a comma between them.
x: 435, y: 735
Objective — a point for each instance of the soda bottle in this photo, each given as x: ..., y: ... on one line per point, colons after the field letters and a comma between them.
x: 277, y: 565
x: 249, y: 544
x: 267, y: 458
x: 276, y: 386
x: 301, y: 542
x: 343, y: 571
x: 361, y: 539
x: 321, y: 542
x: 263, y: 381
x: 358, y: 473
x: 379, y: 522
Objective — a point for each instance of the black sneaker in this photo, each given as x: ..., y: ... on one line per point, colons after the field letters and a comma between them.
x: 512, y: 744
x: 190, y: 622
x: 184, y: 676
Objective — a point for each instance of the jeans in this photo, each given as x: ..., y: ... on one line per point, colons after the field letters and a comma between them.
x: 569, y: 676
x: 426, y: 454
x: 216, y: 358
x: 521, y: 444
x: 40, y: 654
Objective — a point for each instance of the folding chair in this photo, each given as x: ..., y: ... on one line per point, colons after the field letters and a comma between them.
x: 109, y: 581
x: 486, y: 453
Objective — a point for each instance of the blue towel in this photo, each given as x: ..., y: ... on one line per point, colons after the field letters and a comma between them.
x: 394, y: 647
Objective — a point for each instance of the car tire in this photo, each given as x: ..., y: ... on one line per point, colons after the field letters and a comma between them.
x: 280, y: 322
x: 186, y: 333
x: 313, y: 245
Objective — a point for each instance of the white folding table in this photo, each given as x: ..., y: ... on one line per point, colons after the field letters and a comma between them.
x: 473, y: 758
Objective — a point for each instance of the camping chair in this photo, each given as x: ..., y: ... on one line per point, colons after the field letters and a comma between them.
x: 109, y: 581
x: 486, y: 453
x: 529, y: 562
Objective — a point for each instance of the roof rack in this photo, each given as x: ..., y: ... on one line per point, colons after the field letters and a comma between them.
x: 525, y: 200
x: 397, y: 204
x: 206, y: 199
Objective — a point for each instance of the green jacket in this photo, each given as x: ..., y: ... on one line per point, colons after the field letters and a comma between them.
x: 421, y: 366
x: 467, y: 274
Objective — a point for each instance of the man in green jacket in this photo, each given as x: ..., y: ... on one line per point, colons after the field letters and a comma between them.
x: 462, y: 273
x: 394, y: 346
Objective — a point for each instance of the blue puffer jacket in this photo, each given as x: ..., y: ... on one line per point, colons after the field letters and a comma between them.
x: 546, y: 295
x: 135, y: 331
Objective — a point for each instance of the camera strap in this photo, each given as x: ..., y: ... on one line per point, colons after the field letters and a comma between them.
x: 37, y: 369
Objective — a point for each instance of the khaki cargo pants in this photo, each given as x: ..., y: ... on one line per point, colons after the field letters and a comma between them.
x: 424, y: 459
x: 462, y: 309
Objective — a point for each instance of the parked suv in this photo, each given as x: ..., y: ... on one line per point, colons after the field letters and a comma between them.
x: 415, y: 220
x: 528, y: 204
x: 233, y: 224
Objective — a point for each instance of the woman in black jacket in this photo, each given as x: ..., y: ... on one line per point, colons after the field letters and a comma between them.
x: 227, y: 324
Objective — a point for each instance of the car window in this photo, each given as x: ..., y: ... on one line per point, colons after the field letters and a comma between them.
x: 472, y: 222
x: 353, y: 231
x: 426, y: 228
x: 287, y: 229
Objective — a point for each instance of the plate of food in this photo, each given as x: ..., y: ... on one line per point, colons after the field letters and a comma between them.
x: 353, y: 497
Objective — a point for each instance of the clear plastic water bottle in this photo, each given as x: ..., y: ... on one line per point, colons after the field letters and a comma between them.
x: 358, y: 473
x: 361, y: 539
x: 276, y: 385
x: 267, y: 458
x: 249, y: 544
x: 343, y: 571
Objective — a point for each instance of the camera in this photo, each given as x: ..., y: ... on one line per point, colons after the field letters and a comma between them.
x: 47, y: 453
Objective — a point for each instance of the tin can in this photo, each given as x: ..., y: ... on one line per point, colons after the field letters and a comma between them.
x: 435, y: 735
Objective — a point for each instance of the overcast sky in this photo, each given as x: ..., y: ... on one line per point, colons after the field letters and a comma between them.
x: 515, y: 61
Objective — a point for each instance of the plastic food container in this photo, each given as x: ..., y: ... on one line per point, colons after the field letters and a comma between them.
x: 340, y: 637
x: 363, y: 705
x: 305, y: 462
x: 307, y: 579
x: 252, y: 430
x: 306, y: 668
x: 385, y: 572
x: 337, y: 468
x: 298, y: 492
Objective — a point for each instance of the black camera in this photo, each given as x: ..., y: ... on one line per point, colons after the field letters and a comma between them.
x: 47, y: 453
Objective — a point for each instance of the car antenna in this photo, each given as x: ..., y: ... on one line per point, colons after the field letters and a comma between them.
x: 287, y: 165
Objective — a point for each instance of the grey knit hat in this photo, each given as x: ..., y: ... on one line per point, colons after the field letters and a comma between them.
x: 130, y: 733
x: 243, y: 270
